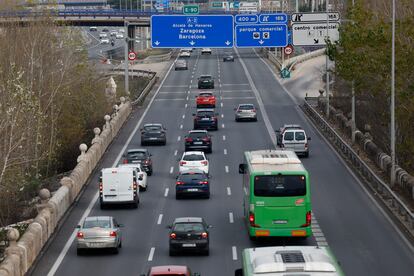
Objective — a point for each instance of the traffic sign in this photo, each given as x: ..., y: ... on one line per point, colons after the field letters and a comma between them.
x: 236, y: 5
x: 218, y: 5
x: 132, y: 55
x: 261, y: 35
x: 314, y: 17
x: 288, y: 50
x: 191, y: 9
x: 314, y: 34
x: 197, y: 31
x: 273, y: 18
x: 246, y: 18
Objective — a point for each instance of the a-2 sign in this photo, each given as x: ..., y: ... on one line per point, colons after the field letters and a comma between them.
x: 132, y: 55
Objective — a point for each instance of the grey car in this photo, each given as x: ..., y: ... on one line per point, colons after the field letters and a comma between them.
x: 245, y: 112
x: 153, y: 134
x: 228, y: 57
x: 99, y: 232
x: 181, y: 65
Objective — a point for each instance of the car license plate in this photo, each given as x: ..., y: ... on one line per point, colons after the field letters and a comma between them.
x: 189, y: 245
x: 206, y: 100
x: 153, y: 138
x: 192, y: 190
x: 205, y: 119
x: 96, y: 244
x: 198, y: 143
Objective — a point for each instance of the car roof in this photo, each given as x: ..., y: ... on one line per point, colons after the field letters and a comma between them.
x: 137, y: 150
x: 153, y: 124
x: 193, y: 152
x: 292, y: 126
x: 244, y: 104
x: 130, y: 165
x: 206, y: 76
x: 188, y: 219
x: 192, y: 171
x: 210, y: 93
x: 166, y: 269
x: 98, y: 218
x: 205, y: 110
x: 198, y: 131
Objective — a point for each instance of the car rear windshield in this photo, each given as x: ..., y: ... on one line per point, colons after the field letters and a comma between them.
x: 136, y: 154
x: 205, y: 113
x: 288, y: 136
x: 189, y: 178
x: 205, y: 77
x: 193, y: 157
x: 279, y: 185
x: 152, y: 128
x: 206, y: 94
x: 197, y: 135
x: 97, y: 223
x: 299, y: 136
x: 189, y: 227
x: 246, y: 107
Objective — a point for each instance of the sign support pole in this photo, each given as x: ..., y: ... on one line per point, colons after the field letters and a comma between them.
x: 327, y: 60
x: 392, y: 180
x: 353, y: 123
x: 126, y: 73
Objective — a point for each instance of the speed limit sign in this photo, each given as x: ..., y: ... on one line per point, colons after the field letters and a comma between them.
x: 132, y: 55
x: 288, y: 50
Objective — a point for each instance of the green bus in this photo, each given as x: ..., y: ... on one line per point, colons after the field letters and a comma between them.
x: 276, y: 190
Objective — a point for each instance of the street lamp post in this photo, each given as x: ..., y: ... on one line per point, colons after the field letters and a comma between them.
x: 393, y: 97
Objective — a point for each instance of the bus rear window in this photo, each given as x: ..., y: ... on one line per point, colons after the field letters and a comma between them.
x: 280, y: 185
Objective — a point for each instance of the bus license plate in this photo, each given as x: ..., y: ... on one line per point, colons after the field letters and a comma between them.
x: 279, y: 221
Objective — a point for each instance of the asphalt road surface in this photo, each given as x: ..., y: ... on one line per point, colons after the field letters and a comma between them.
x: 347, y: 219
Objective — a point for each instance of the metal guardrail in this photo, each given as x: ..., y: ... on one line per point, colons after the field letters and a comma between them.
x: 388, y: 197
x: 145, y: 92
x: 139, y: 72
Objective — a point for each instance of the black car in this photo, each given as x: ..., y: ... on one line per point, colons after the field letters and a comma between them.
x: 192, y: 183
x: 198, y: 140
x: 153, y: 134
x: 189, y: 234
x: 139, y: 156
x: 205, y: 118
x: 228, y: 57
x: 205, y: 81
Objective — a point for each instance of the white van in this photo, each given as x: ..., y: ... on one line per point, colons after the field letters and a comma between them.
x: 118, y: 186
x: 293, y: 137
x: 142, y: 175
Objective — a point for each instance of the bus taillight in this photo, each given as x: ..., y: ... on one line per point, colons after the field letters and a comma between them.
x: 251, y: 220
x: 308, y: 219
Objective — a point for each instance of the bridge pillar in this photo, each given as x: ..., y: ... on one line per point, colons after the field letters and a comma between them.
x: 131, y: 34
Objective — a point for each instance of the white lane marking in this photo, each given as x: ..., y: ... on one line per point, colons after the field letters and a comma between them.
x: 187, y: 98
x: 234, y: 253
x: 151, y: 254
x: 245, y: 190
x: 65, y: 249
x: 171, y: 169
x: 228, y: 191
x: 172, y: 92
x: 221, y: 104
x: 176, y: 99
x: 231, y: 91
x: 181, y: 126
x: 178, y: 138
x: 175, y: 86
x: 234, y: 84
x: 222, y: 125
x: 225, y: 151
x: 231, y: 218
x: 259, y: 101
x: 175, y: 152
x: 186, y: 105
x: 159, y: 219
x: 222, y: 115
x: 183, y: 116
x: 166, y: 192
x: 226, y: 168
x: 224, y: 137
x: 191, y: 81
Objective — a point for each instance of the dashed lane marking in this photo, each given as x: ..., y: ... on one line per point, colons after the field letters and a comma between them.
x: 231, y: 218
x: 224, y: 137
x: 181, y: 126
x: 151, y: 254
x: 222, y: 125
x: 228, y: 191
x: 234, y: 252
x: 171, y: 169
x: 225, y: 151
x: 226, y: 168
x: 179, y: 138
x: 166, y: 192
x: 159, y: 219
x: 183, y: 116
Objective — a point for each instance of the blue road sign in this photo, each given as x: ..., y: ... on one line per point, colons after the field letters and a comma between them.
x: 273, y: 18
x: 261, y: 35
x: 246, y: 18
x: 196, y: 31
x: 236, y: 5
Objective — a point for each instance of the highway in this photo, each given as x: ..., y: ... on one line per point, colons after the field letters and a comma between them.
x: 347, y: 219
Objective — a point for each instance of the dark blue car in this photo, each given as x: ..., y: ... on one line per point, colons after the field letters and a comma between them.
x: 192, y: 183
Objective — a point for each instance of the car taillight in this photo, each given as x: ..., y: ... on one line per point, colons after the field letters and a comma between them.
x: 135, y: 186
x: 206, y: 139
x: 204, y: 235
x: 179, y: 183
x: 173, y: 236
x: 306, y: 145
x: 146, y: 161
x: 100, y: 187
x: 254, y: 110
x: 308, y: 219
x: 125, y: 161
x: 188, y: 139
x: 182, y: 163
x: 203, y: 182
x: 204, y: 163
x: 112, y: 234
x: 80, y: 235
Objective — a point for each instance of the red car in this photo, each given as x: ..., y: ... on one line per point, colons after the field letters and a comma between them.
x: 206, y: 99
x: 173, y: 270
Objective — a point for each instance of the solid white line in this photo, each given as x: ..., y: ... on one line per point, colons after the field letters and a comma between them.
x: 259, y: 101
x: 177, y: 99
x: 181, y: 126
x: 231, y: 219
x: 245, y: 190
x: 171, y: 169
x: 225, y: 151
x: 159, y: 219
x: 222, y: 125
x: 234, y: 253
x: 226, y: 168
x: 224, y: 137
x: 172, y: 92
x: 228, y: 191
x: 151, y: 254
x: 65, y: 249
x: 191, y: 81
x: 166, y: 192
x: 178, y: 138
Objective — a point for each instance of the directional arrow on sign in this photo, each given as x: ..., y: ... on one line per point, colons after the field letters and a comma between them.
x: 157, y: 43
x: 261, y: 42
x: 192, y: 43
x: 227, y: 43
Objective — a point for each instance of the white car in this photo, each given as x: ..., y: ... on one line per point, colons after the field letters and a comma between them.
x: 103, y: 35
x: 142, y: 175
x: 185, y: 53
x: 121, y: 30
x: 193, y: 160
x: 206, y: 51
x: 119, y: 36
x: 105, y: 41
x: 113, y: 33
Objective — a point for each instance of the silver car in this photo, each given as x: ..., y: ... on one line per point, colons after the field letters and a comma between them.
x: 99, y: 232
x: 181, y: 65
x: 245, y: 112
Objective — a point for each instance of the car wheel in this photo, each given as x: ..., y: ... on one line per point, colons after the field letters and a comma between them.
x: 172, y: 253
x: 236, y: 119
x: 120, y: 244
x: 255, y: 119
x: 165, y: 142
x: 115, y: 250
x: 207, y: 196
x: 135, y: 205
x: 79, y: 251
x: 149, y: 172
x: 206, y: 252
x: 177, y: 196
x: 142, y: 143
x: 306, y: 154
x: 144, y: 188
x: 216, y: 128
x: 102, y: 206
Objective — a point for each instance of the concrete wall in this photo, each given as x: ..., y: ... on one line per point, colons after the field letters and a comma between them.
x: 22, y: 252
